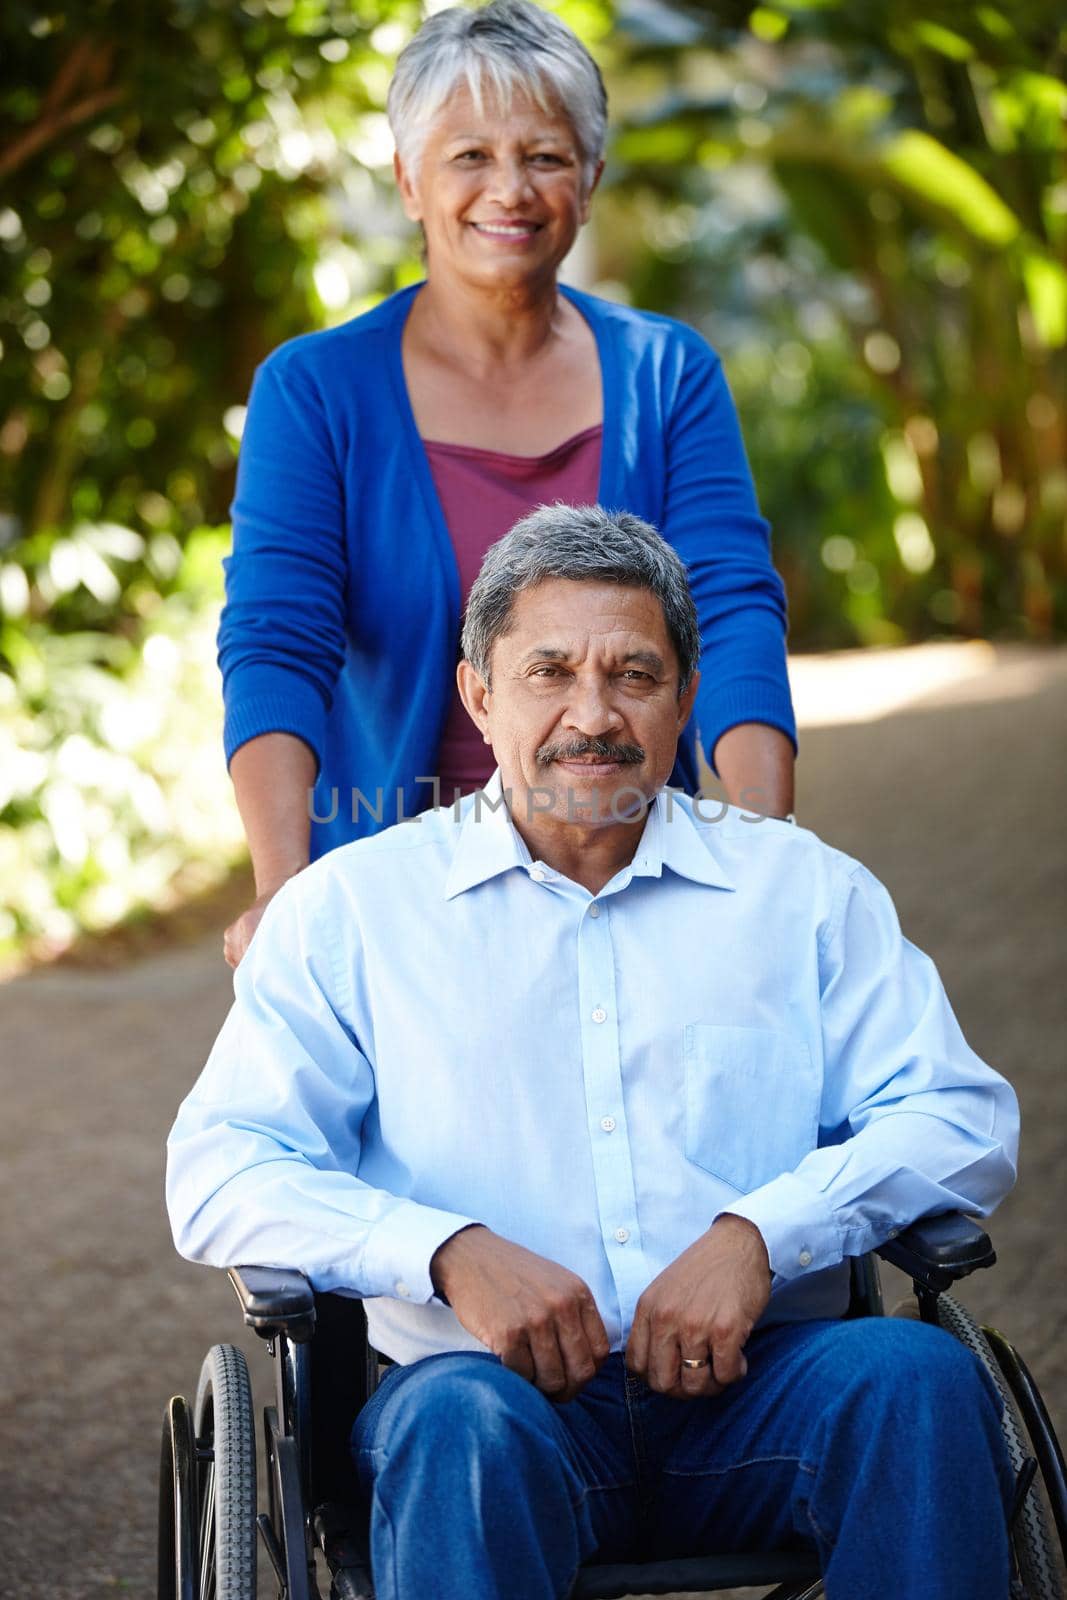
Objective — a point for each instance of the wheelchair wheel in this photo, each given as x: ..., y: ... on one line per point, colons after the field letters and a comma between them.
x: 1032, y: 1538
x: 226, y: 1477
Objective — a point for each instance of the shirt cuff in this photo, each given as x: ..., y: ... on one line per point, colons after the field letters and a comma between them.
x: 397, y: 1255
x: 797, y: 1225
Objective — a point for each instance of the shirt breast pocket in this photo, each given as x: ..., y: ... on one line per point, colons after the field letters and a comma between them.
x: 752, y: 1102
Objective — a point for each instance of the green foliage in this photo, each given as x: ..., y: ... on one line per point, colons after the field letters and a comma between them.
x: 112, y: 793
x: 173, y: 177
x: 864, y: 207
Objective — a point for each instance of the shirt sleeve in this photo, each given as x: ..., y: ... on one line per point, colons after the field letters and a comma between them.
x: 713, y: 521
x: 262, y: 1160
x: 282, y: 632
x: 914, y: 1123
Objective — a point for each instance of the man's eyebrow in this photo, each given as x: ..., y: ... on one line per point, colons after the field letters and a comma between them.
x: 646, y: 658
x: 543, y: 652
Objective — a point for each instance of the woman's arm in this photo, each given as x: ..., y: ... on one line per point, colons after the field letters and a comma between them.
x: 743, y: 712
x: 281, y: 636
x: 271, y: 778
x: 755, y: 763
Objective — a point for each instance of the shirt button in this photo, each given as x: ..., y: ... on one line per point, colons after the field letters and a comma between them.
x: 608, y: 1124
x: 594, y: 910
x: 805, y: 1258
x: 402, y: 1289
x: 622, y: 1234
x: 600, y: 1015
x: 537, y: 874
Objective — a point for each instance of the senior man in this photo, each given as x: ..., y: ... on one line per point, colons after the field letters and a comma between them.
x: 590, y: 1091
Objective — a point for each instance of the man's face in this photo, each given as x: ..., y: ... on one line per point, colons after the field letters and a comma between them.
x: 584, y: 705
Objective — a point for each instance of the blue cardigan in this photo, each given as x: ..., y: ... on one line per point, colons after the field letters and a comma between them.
x: 342, y: 620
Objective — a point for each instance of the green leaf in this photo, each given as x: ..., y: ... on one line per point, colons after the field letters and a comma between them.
x: 1046, y: 291
x: 922, y: 165
x: 944, y: 41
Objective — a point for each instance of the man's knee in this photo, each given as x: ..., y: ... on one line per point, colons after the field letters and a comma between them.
x: 916, y: 1370
x: 455, y: 1397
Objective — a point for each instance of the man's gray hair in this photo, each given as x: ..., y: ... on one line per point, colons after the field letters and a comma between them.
x: 505, y: 46
x: 584, y: 544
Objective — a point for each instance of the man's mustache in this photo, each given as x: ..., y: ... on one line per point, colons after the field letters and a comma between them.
x: 572, y: 749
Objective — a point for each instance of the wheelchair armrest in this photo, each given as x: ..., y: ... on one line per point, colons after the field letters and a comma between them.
x: 935, y: 1251
x: 275, y: 1300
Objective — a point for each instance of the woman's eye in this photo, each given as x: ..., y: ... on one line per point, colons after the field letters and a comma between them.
x: 469, y: 155
x: 547, y: 159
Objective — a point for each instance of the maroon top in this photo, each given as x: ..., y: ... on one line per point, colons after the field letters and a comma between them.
x: 483, y: 493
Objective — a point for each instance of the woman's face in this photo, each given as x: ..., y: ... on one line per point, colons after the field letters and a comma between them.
x: 500, y: 196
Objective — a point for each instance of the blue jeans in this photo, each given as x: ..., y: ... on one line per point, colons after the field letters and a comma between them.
x: 875, y: 1442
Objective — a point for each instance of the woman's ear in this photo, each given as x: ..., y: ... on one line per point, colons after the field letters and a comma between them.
x: 408, y: 195
x: 587, y: 198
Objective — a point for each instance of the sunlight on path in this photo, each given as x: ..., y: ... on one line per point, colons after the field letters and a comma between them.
x: 862, y: 685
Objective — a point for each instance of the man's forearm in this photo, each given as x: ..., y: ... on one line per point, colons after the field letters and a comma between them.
x: 755, y: 763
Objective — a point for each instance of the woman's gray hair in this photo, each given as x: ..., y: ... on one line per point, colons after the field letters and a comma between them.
x: 505, y: 46
x: 583, y: 544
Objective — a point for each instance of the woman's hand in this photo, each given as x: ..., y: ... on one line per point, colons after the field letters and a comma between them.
x: 238, y: 936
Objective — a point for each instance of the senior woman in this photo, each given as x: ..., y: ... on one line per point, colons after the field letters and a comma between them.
x: 381, y: 458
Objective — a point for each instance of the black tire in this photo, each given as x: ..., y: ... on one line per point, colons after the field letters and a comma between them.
x: 223, y: 1424
x: 1032, y: 1537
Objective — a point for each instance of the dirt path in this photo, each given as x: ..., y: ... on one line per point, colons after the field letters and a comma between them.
x: 957, y: 802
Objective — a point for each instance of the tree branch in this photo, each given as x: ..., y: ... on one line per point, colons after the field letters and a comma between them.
x: 49, y: 128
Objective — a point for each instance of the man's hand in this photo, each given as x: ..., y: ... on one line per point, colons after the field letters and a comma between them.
x: 704, y: 1305
x: 539, y: 1318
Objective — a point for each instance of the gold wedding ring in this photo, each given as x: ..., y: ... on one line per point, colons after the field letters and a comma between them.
x: 692, y: 1363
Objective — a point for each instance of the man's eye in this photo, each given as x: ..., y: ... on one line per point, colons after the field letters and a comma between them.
x: 635, y: 675
x: 547, y: 157
x: 544, y: 672
x: 470, y: 155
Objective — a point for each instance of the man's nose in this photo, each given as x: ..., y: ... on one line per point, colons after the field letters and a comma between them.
x: 591, y: 709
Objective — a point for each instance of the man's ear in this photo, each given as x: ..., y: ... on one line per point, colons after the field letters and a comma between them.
x: 475, y: 695
x: 409, y: 199
x: 687, y: 701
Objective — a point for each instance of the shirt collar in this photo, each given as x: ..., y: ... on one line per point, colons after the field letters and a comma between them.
x: 673, y: 838
x: 489, y: 843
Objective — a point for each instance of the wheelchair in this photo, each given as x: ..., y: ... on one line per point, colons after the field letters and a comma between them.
x: 209, y: 1521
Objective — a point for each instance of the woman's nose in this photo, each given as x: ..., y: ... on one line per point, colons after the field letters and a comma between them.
x: 509, y: 181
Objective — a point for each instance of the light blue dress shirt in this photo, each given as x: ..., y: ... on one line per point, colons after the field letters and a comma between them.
x: 431, y: 1029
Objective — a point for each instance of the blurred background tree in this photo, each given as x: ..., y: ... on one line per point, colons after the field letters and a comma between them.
x: 863, y: 207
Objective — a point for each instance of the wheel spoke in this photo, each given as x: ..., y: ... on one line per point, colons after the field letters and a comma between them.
x: 207, y: 1535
